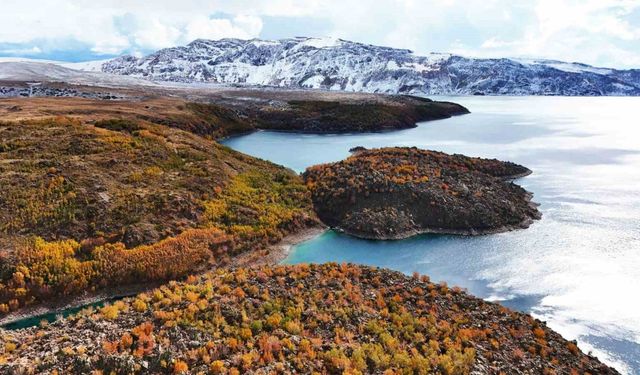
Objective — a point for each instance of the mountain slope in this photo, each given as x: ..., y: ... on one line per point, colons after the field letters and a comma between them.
x: 337, y: 64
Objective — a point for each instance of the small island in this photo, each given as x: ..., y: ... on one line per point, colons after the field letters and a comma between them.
x: 394, y: 193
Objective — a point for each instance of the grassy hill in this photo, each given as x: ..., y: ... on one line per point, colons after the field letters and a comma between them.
x: 88, y: 204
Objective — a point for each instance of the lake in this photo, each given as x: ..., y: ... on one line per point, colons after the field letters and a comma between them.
x: 578, y: 268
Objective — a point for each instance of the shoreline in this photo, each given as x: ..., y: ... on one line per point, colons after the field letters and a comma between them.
x: 525, y: 224
x: 75, y: 302
x: 275, y: 254
x: 453, y: 232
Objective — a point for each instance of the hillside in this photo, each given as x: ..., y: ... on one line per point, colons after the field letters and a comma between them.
x: 336, y: 64
x: 393, y: 193
x: 90, y: 203
x: 223, y: 111
x: 298, y: 319
x: 57, y: 72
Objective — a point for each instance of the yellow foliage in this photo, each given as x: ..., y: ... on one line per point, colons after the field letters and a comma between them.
x: 180, y: 367
x: 139, y: 305
x: 9, y: 347
x: 110, y: 312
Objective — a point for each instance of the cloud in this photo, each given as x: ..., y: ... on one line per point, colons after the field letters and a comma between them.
x: 494, y: 42
x: 156, y: 34
x: 604, y: 32
x: 21, y: 51
x: 596, y: 32
x: 241, y: 27
x: 115, y: 26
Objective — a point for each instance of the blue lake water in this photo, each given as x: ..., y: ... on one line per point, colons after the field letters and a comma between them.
x: 578, y: 268
x: 55, y: 315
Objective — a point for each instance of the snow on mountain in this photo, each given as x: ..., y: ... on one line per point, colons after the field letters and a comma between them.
x: 565, y: 66
x: 337, y: 64
x: 86, y: 66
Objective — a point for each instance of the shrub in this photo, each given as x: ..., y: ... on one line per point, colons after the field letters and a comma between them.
x: 180, y: 367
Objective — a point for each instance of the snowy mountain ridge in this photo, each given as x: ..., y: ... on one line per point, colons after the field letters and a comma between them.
x: 336, y: 64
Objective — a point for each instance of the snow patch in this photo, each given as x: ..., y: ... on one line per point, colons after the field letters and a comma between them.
x: 321, y: 42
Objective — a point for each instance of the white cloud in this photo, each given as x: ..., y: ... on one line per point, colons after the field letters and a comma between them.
x: 110, y: 44
x: 494, y: 42
x: 242, y: 27
x: 155, y: 34
x: 21, y: 51
x: 94, y: 23
x: 593, y: 31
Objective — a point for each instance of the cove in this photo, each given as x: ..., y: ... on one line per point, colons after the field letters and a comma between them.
x: 576, y: 269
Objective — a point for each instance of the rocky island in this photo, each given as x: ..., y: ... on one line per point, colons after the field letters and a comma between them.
x: 394, y: 193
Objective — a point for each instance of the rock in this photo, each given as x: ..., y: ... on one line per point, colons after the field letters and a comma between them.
x: 464, y: 189
x: 140, y: 234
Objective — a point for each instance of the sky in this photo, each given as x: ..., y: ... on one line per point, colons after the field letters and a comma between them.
x: 597, y: 32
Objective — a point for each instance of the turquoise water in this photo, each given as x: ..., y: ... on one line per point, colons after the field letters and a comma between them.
x: 578, y: 268
x: 55, y: 315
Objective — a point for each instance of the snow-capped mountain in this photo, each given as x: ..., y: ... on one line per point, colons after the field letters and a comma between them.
x: 337, y: 64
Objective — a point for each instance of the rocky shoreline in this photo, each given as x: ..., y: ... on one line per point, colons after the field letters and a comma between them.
x: 275, y: 254
x: 526, y: 223
x: 395, y: 193
x: 61, y: 305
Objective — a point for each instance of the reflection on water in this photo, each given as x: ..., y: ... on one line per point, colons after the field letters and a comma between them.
x: 578, y: 268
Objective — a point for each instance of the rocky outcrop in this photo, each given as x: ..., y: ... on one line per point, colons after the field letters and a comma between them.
x: 19, y: 91
x: 394, y: 193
